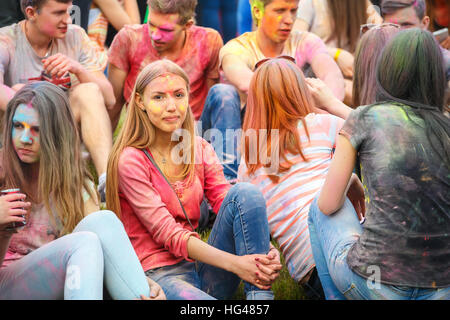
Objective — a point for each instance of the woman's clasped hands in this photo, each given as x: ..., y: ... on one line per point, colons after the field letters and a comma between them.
x: 259, y: 269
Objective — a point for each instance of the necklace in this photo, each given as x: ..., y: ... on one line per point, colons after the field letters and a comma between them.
x: 163, y: 160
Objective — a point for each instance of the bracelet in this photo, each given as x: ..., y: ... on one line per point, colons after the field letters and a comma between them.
x: 337, y: 54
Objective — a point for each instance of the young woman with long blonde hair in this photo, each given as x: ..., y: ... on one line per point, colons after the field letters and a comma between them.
x: 158, y: 172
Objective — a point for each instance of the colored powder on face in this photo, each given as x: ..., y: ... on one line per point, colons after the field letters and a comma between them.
x: 49, y: 29
x: 28, y: 117
x: 155, y: 108
x: 260, y: 6
x: 169, y: 80
x: 162, y: 33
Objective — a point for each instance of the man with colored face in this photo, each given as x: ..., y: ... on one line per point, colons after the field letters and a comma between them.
x: 273, y: 37
x: 47, y: 47
x: 169, y: 34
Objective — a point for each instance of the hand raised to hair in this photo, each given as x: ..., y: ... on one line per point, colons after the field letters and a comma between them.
x: 322, y: 95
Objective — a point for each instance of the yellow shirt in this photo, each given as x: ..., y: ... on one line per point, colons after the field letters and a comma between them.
x: 303, y: 46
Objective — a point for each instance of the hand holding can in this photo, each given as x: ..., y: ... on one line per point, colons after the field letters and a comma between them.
x: 13, y: 209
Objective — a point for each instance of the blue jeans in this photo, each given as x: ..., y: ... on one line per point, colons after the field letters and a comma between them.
x: 241, y: 228
x: 75, y: 266
x: 220, y: 124
x: 219, y: 15
x: 244, y: 17
x: 331, y: 239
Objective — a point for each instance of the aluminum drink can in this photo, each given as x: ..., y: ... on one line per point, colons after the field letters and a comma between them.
x: 13, y: 225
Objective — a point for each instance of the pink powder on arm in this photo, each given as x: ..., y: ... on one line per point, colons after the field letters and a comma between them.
x: 7, y: 91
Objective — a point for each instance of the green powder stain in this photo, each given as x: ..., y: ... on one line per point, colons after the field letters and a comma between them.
x: 260, y: 6
x: 404, y: 114
x: 366, y: 190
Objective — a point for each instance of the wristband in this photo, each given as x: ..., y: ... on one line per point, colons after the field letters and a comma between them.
x: 338, y: 53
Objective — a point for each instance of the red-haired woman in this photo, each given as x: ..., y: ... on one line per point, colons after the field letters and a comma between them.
x: 300, y: 144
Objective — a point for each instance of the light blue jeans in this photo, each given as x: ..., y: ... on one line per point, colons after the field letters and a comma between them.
x: 240, y: 228
x: 75, y: 266
x: 331, y: 239
x: 220, y: 124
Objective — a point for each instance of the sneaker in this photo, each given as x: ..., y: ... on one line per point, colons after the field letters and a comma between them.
x: 101, y: 188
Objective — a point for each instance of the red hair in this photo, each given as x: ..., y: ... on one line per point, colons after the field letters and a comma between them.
x: 278, y: 99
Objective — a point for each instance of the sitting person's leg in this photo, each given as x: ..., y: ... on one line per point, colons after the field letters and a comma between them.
x: 88, y: 107
x: 331, y: 239
x: 179, y: 282
x: 124, y: 276
x: 220, y: 125
x: 241, y: 228
x: 316, y: 238
x: 70, y: 267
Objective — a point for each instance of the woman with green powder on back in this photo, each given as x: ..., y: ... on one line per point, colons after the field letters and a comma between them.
x: 402, y: 250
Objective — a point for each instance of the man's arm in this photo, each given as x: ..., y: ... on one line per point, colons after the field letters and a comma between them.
x: 117, y: 79
x: 116, y: 13
x: 345, y: 61
x: 60, y: 64
x: 328, y: 71
x: 132, y: 9
x: 6, y: 94
x: 237, y: 72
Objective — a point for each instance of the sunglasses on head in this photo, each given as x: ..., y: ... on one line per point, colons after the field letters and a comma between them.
x: 261, y: 62
x: 369, y: 26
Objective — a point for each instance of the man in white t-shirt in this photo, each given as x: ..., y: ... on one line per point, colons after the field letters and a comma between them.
x: 47, y: 47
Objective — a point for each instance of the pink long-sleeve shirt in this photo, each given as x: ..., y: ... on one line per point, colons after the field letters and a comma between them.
x: 150, y: 211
